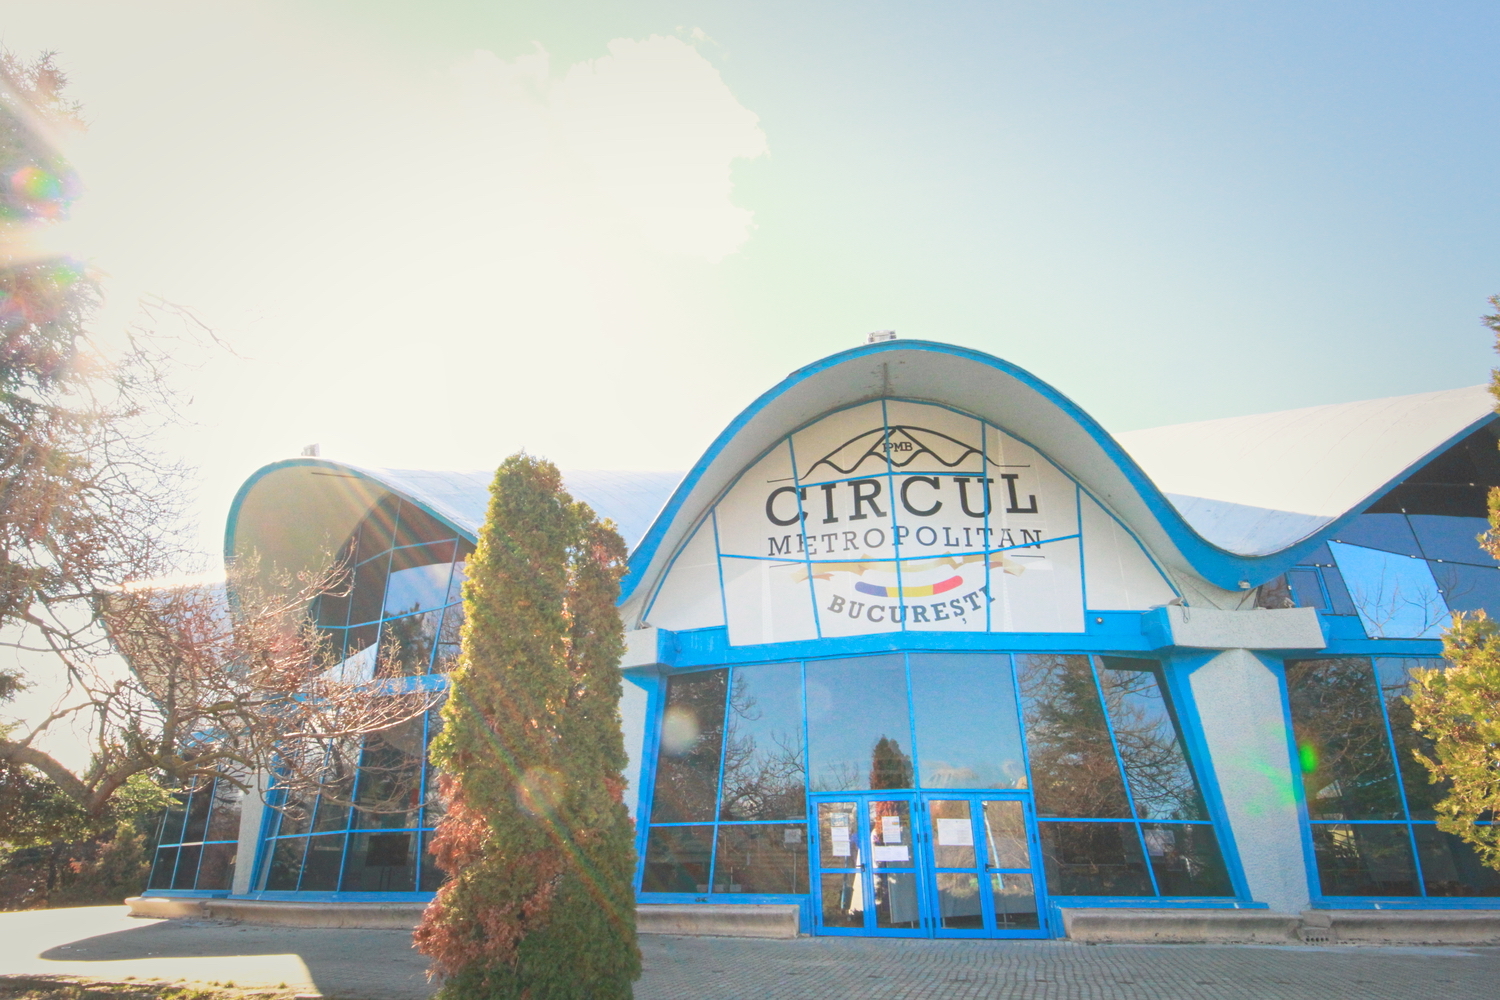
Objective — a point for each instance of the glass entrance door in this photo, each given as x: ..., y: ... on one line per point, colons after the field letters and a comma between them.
x: 915, y: 864
x: 867, y: 864
x: 980, y: 878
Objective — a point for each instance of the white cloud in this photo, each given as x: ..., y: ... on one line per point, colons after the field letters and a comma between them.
x: 649, y: 132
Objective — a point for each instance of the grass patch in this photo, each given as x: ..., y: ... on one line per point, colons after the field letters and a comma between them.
x: 73, y: 988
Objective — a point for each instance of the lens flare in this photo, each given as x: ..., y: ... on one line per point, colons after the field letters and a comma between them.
x: 1307, y: 754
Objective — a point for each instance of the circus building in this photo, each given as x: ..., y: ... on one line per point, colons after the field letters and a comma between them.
x: 917, y: 648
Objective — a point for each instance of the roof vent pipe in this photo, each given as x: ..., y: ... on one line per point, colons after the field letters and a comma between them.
x: 880, y: 336
x: 311, y: 451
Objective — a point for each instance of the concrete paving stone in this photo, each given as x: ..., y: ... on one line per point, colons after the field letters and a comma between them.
x: 104, y: 943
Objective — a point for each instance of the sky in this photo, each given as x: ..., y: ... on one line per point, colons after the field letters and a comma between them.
x: 435, y: 233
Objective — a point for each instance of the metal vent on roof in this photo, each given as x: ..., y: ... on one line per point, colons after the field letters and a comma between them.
x: 880, y: 336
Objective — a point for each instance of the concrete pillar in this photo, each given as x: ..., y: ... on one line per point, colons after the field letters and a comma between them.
x: 633, y: 701
x: 1239, y: 702
x: 252, y: 810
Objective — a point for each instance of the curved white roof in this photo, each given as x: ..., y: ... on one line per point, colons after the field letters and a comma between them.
x: 1255, y: 485
x: 297, y: 512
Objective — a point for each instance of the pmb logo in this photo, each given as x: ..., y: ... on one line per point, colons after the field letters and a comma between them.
x: 899, y: 445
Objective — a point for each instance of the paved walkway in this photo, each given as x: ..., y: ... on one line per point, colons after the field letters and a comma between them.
x: 102, y: 942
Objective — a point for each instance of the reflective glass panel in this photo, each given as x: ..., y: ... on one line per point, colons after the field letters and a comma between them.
x: 187, y: 866
x: 286, y: 864
x: 1186, y: 859
x: 896, y: 901
x: 432, y: 876
x: 1468, y: 588
x: 162, y: 868
x: 1093, y: 859
x: 1451, y: 868
x: 677, y: 859
x: 1389, y: 532
x: 419, y: 579
x: 224, y: 819
x: 294, y: 815
x: 216, y: 870
x: 765, y: 776
x: 692, y: 739
x: 968, y: 732
x: 1005, y: 835
x: 762, y: 858
x: 1452, y: 539
x: 376, y: 529
x: 1364, y: 859
x: 843, y: 900
x: 1396, y: 596
x: 1015, y: 902
x: 389, y: 793
x: 381, y: 862
x: 838, y: 835
x: 406, y: 645
x: 1394, y: 675
x: 1073, y: 766
x: 859, y: 736
x: 959, y: 906
x: 1340, y: 732
x: 890, y: 834
x: 325, y: 857
x: 1305, y: 590
x: 952, y: 834
x: 197, y: 812
x: 1162, y: 785
x: 367, y: 595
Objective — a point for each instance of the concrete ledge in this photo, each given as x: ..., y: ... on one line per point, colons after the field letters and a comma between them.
x: 1257, y: 628
x: 1411, y: 926
x: 753, y: 920
x: 164, y: 906
x: 1179, y: 926
x: 758, y: 920
x: 372, y: 916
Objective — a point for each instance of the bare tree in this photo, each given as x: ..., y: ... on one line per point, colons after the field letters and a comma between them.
x: 208, y: 691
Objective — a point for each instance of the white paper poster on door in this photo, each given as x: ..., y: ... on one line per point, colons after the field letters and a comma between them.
x: 955, y: 833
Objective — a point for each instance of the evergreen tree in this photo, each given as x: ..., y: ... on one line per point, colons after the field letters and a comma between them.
x: 1456, y: 711
x: 536, y: 837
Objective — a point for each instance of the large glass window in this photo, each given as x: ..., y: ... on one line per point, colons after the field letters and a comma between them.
x: 858, y: 724
x: 731, y: 749
x: 1107, y: 755
x: 1121, y: 810
x: 198, y: 839
x: 1369, y: 803
x: 364, y: 831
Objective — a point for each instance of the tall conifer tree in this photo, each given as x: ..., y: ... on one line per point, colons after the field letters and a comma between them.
x: 536, y: 838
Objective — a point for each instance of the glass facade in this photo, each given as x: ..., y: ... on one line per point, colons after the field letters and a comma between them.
x: 1369, y: 801
x: 1400, y: 574
x: 399, y: 602
x: 398, y: 613
x: 1094, y: 743
x: 198, y: 839
x: 365, y: 831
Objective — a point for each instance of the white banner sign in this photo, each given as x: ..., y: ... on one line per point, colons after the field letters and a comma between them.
x: 894, y: 516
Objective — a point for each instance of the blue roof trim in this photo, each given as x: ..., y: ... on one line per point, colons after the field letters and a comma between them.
x: 1220, y: 566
